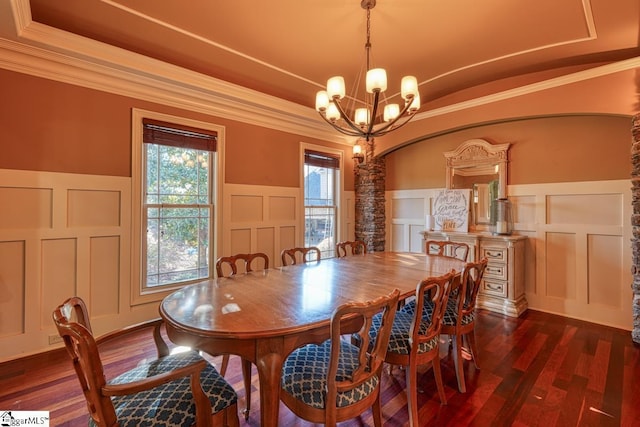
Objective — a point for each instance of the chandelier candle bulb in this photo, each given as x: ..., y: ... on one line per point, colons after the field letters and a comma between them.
x: 332, y: 112
x: 409, y: 87
x: 362, y: 117
x: 322, y: 100
x: 391, y: 111
x: 335, y: 87
x: 376, y: 80
x: 415, y: 104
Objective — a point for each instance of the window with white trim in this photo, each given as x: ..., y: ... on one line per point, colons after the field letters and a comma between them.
x: 321, y: 178
x: 177, y: 204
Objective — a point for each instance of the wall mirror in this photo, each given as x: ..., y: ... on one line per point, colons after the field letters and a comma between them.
x: 481, y: 167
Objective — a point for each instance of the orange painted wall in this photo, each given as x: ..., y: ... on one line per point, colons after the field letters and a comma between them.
x: 543, y: 150
x: 58, y: 127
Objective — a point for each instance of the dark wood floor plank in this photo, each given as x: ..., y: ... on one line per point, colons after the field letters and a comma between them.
x: 630, y: 414
x: 612, y: 398
x: 537, y: 370
x: 533, y: 348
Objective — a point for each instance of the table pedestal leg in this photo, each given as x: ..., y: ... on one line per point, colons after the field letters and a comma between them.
x: 269, y: 364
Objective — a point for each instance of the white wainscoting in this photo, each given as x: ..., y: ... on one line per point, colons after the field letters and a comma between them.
x: 578, y: 256
x: 269, y: 219
x: 70, y: 234
x: 62, y: 235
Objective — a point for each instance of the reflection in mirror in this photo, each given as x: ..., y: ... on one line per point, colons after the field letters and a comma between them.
x: 482, y: 203
x: 480, y: 166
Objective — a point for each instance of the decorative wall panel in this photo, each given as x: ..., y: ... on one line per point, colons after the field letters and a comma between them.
x: 524, y: 210
x: 105, y: 275
x: 26, y: 208
x: 12, y: 287
x: 398, y: 236
x: 415, y: 238
x: 561, y: 265
x: 246, y: 208
x: 408, y: 208
x: 59, y: 275
x: 282, y: 208
x: 89, y: 208
x: 603, y: 274
x: 287, y: 240
x: 266, y: 243
x: 596, y: 209
x: 240, y: 242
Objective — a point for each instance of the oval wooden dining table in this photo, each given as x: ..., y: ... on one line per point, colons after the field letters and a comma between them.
x: 263, y: 316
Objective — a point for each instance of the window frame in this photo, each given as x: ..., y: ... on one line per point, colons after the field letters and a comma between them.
x: 140, y: 294
x: 339, y: 190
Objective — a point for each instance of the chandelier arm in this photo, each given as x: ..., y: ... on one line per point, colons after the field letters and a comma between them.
x: 341, y: 129
x: 384, y: 128
x: 348, y: 121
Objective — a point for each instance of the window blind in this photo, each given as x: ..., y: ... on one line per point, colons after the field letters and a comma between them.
x: 157, y: 132
x: 323, y: 160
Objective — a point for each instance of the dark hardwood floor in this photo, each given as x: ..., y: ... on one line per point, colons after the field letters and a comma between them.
x: 537, y: 370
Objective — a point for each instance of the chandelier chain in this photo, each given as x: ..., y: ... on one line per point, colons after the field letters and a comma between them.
x: 367, y: 46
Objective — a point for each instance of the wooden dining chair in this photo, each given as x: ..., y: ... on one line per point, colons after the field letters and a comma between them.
x: 295, y: 255
x: 175, y: 389
x: 415, y: 340
x: 459, y: 318
x: 350, y: 248
x: 447, y: 248
x: 335, y: 380
x: 250, y: 262
x: 228, y: 265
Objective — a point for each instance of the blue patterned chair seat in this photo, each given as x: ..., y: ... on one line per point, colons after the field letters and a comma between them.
x: 450, y: 314
x: 170, y: 404
x: 399, y: 339
x: 304, y: 374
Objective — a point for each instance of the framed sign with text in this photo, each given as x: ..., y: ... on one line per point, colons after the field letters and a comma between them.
x: 451, y: 210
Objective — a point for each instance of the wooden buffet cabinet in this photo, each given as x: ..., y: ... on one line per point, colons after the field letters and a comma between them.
x: 502, y: 288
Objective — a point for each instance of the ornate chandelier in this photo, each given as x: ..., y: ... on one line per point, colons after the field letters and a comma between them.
x: 368, y: 123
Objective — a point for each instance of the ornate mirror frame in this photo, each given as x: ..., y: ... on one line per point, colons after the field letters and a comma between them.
x: 476, y: 158
x: 479, y: 157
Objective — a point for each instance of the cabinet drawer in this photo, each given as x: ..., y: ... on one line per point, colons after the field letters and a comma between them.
x: 494, y: 288
x: 494, y: 254
x: 496, y: 271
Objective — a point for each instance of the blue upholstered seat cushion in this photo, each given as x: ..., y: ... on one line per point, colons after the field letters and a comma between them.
x: 304, y: 374
x: 450, y: 314
x: 170, y: 404
x: 399, y: 338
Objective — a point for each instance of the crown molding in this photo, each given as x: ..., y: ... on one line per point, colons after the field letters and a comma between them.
x: 54, y: 54
x: 37, y: 49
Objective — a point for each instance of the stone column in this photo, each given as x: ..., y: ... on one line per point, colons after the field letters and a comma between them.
x: 369, y: 203
x: 635, y: 225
